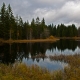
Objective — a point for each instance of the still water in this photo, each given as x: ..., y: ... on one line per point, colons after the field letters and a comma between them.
x: 38, y: 53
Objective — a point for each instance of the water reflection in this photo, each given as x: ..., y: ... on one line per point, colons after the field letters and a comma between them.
x: 37, y: 53
x: 47, y: 63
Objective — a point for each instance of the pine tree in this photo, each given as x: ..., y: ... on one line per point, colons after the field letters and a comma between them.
x: 26, y: 30
x: 10, y: 22
x: 37, y: 27
x: 43, y: 26
x: 20, y: 26
x: 33, y: 26
x: 2, y: 21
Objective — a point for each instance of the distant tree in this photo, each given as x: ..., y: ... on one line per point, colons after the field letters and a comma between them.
x: 20, y: 27
x: 42, y: 27
x: 62, y: 30
x: 58, y: 31
x: 79, y: 31
x: 33, y: 26
x: 51, y: 28
x: 70, y: 31
x: 54, y: 30
x: 25, y: 30
x: 37, y: 27
x: 28, y: 31
x: 75, y: 31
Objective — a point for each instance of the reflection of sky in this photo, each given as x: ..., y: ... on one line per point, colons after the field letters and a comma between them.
x: 66, y: 51
x: 50, y: 65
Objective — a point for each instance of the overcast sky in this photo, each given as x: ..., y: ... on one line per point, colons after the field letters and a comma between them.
x: 53, y: 11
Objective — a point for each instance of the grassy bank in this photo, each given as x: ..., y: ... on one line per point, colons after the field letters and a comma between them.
x: 27, y: 41
x: 50, y: 39
x: 23, y: 72
x: 75, y: 38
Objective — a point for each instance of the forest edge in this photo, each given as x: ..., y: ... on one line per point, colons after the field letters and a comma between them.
x: 37, y: 40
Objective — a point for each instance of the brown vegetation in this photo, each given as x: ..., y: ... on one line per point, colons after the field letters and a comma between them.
x: 49, y: 39
x: 72, y: 72
x: 22, y: 72
x: 73, y: 60
x: 75, y: 38
x: 33, y: 40
x: 40, y: 56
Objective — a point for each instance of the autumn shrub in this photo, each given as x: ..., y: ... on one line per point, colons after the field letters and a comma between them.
x: 23, y: 72
x: 51, y: 37
x: 19, y: 71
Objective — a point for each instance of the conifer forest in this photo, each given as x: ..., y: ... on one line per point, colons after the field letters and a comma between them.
x: 13, y: 27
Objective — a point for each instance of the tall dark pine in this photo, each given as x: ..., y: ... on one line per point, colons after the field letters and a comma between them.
x: 10, y: 22
x: 75, y: 32
x: 20, y: 26
x: 2, y: 21
x: 26, y: 30
x: 7, y: 22
x: 37, y: 27
x: 54, y: 30
x: 33, y: 26
x: 42, y: 28
x: 79, y: 32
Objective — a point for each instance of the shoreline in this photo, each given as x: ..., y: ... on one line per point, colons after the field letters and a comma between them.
x: 37, y: 40
x: 29, y: 41
x: 75, y: 38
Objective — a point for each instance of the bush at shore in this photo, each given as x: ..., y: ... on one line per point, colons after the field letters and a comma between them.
x: 23, y: 72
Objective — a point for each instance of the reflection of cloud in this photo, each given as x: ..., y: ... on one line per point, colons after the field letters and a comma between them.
x: 66, y: 51
x: 50, y: 65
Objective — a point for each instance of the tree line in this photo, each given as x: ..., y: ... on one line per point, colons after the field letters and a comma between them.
x: 12, y: 27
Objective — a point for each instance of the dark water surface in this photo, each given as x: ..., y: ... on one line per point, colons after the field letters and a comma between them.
x: 32, y: 53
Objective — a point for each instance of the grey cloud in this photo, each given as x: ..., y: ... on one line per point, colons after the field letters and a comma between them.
x: 68, y: 13
x: 54, y: 11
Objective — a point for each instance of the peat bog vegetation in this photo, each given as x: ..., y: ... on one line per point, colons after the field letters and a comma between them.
x: 14, y: 30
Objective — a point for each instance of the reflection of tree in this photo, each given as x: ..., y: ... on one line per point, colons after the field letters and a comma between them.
x: 66, y: 44
x: 36, y: 51
x: 78, y: 44
x: 7, y: 54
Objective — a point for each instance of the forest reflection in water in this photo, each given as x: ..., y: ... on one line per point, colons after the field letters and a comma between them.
x: 38, y: 53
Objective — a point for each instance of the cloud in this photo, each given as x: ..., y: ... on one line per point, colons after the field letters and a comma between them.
x: 54, y: 11
x: 50, y: 1
x: 68, y: 13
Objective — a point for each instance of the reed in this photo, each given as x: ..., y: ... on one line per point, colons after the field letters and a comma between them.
x: 73, y: 60
x: 19, y: 71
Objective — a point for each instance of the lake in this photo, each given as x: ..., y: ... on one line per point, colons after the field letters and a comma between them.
x: 38, y: 53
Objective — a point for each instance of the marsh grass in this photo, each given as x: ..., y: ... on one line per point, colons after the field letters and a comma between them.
x: 20, y: 71
x: 30, y: 41
x: 72, y: 60
x: 72, y: 71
